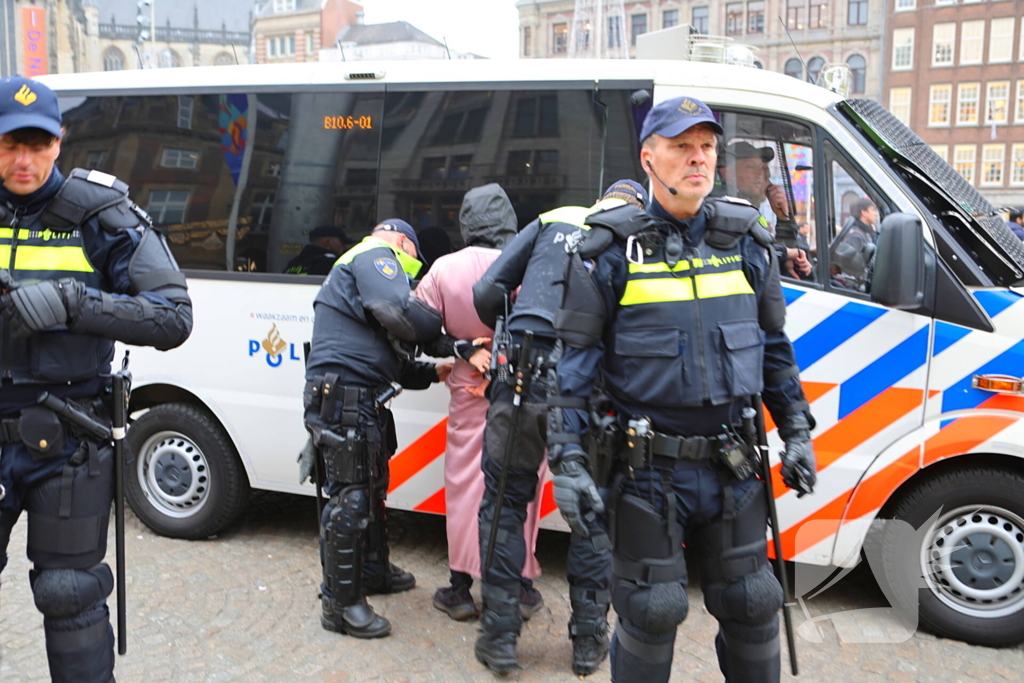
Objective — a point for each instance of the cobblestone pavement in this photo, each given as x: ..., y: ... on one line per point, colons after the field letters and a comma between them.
x: 243, y: 607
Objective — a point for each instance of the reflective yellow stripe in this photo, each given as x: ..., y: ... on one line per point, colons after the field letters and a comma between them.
x: 49, y: 258
x: 657, y: 291
x: 573, y: 215
x: 711, y: 285
x: 660, y: 267
x: 6, y: 233
x: 5, y: 256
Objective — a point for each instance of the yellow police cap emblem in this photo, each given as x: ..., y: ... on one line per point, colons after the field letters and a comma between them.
x: 25, y: 96
x: 688, y: 106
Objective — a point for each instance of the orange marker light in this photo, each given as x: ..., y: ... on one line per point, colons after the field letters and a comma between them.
x: 1001, y: 384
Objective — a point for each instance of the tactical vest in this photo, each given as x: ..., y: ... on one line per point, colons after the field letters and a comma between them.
x: 33, y: 253
x: 687, y: 334
x: 410, y: 265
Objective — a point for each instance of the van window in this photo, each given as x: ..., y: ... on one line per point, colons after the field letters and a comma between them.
x: 243, y: 185
x: 770, y: 163
x: 855, y: 211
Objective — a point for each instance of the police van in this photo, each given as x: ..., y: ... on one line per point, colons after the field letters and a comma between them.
x: 910, y: 357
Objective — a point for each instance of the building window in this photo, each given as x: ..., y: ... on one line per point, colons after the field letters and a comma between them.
x: 972, y: 39
x: 814, y: 68
x: 1020, y: 102
x: 169, y: 59
x: 638, y: 27
x: 1017, y: 163
x: 1021, y: 55
x: 942, y: 151
x: 857, y: 12
x: 527, y: 36
x: 433, y: 168
x: 536, y: 117
x: 614, y: 31
x: 997, y: 102
x: 904, y: 5
x: 528, y: 162
x: 1000, y: 42
x: 113, y: 60
x: 284, y: 6
x: 561, y: 38
x: 795, y: 14
x: 167, y: 206
x: 963, y: 161
x: 179, y: 158
x: 858, y: 72
x: 223, y: 59
x: 96, y: 159
x: 734, y: 19
x: 992, y: 164
x: 899, y: 104
x: 967, y: 104
x: 310, y: 46
x: 939, y: 100
x: 262, y: 209
x: 281, y: 46
x: 461, y: 165
x: 943, y: 39
x: 670, y: 18
x: 903, y: 49
x: 945, y: 2
x: 186, y: 105
x: 819, y: 14
x: 700, y: 19
x: 755, y: 16
x: 794, y: 68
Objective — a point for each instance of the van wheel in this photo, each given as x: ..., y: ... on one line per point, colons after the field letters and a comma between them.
x: 967, y: 550
x: 186, y: 480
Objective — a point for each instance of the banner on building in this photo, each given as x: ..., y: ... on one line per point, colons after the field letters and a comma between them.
x: 33, y: 41
x: 234, y: 132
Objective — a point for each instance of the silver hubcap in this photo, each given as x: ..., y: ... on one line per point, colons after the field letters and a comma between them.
x: 174, y: 474
x: 973, y: 561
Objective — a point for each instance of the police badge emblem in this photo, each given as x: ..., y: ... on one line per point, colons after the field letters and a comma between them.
x: 387, y: 267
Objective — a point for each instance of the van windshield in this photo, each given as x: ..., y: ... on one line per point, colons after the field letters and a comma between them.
x: 968, y: 220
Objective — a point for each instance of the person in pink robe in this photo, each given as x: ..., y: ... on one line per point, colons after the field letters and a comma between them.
x: 488, y: 223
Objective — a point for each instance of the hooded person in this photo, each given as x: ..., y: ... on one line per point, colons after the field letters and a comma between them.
x: 488, y: 223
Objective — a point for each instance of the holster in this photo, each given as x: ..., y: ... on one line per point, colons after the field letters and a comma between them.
x: 602, y: 441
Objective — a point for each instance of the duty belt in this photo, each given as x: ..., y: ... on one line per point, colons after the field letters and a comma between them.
x: 685, y: 447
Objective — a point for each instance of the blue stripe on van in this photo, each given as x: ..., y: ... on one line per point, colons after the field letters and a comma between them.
x: 907, y: 356
x: 792, y: 294
x: 946, y: 335
x: 827, y: 335
x: 961, y: 396
x: 995, y: 301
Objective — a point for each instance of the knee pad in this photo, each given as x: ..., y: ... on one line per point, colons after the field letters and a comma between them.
x: 64, y: 593
x: 751, y: 600
x: 658, y: 608
x: 350, y: 513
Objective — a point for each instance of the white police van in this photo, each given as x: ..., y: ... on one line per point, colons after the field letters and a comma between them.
x: 911, y: 368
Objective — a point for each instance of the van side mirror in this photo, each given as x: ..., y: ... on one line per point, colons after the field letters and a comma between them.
x: 901, y: 265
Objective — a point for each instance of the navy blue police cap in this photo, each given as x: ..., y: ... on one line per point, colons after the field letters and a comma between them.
x: 678, y: 115
x: 25, y: 103
x: 398, y: 225
x: 628, y: 186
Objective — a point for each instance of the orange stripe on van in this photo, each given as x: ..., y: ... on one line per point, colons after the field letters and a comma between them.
x: 419, y: 454
x: 857, y: 427
x: 547, y: 499
x: 812, y: 391
x: 433, y: 504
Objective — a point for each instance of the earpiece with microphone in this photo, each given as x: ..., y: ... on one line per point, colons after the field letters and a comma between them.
x: 650, y: 169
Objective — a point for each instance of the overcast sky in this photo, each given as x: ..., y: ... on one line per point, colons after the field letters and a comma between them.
x: 486, y: 27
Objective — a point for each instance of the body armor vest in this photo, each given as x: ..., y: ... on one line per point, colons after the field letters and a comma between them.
x: 33, y: 253
x: 687, y: 334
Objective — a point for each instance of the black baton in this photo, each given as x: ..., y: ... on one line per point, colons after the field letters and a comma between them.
x: 306, y: 346
x: 121, y: 384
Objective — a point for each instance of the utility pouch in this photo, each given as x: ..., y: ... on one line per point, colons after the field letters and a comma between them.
x: 345, y: 457
x: 638, y: 442
x: 42, y: 432
x: 736, y: 456
x: 603, y: 441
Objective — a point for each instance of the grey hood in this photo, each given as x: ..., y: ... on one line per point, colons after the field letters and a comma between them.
x: 487, y: 218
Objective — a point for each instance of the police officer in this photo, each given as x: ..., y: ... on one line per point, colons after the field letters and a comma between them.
x: 535, y: 260
x: 692, y: 315
x: 80, y: 272
x: 364, y: 306
x: 326, y: 244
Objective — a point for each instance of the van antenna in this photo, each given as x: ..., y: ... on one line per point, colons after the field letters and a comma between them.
x: 235, y: 53
x: 445, y: 39
x: 795, y: 49
x: 138, y: 55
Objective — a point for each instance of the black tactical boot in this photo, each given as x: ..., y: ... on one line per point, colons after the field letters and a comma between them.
x: 500, y: 622
x: 530, y: 600
x: 396, y: 581
x: 357, y: 620
x: 588, y: 629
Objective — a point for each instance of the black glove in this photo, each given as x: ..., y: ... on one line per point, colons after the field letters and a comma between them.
x: 575, y: 491
x: 41, y: 305
x: 799, y: 468
x: 465, y: 349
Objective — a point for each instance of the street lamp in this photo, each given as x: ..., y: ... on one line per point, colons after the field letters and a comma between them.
x: 147, y: 25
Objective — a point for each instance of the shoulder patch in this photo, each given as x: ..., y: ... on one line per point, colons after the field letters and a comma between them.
x: 387, y: 267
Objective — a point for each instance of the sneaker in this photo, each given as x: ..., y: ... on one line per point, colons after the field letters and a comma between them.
x: 376, y: 584
x: 530, y: 601
x: 456, y: 602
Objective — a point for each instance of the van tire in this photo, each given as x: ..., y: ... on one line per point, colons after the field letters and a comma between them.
x: 183, y: 478
x: 976, y: 594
